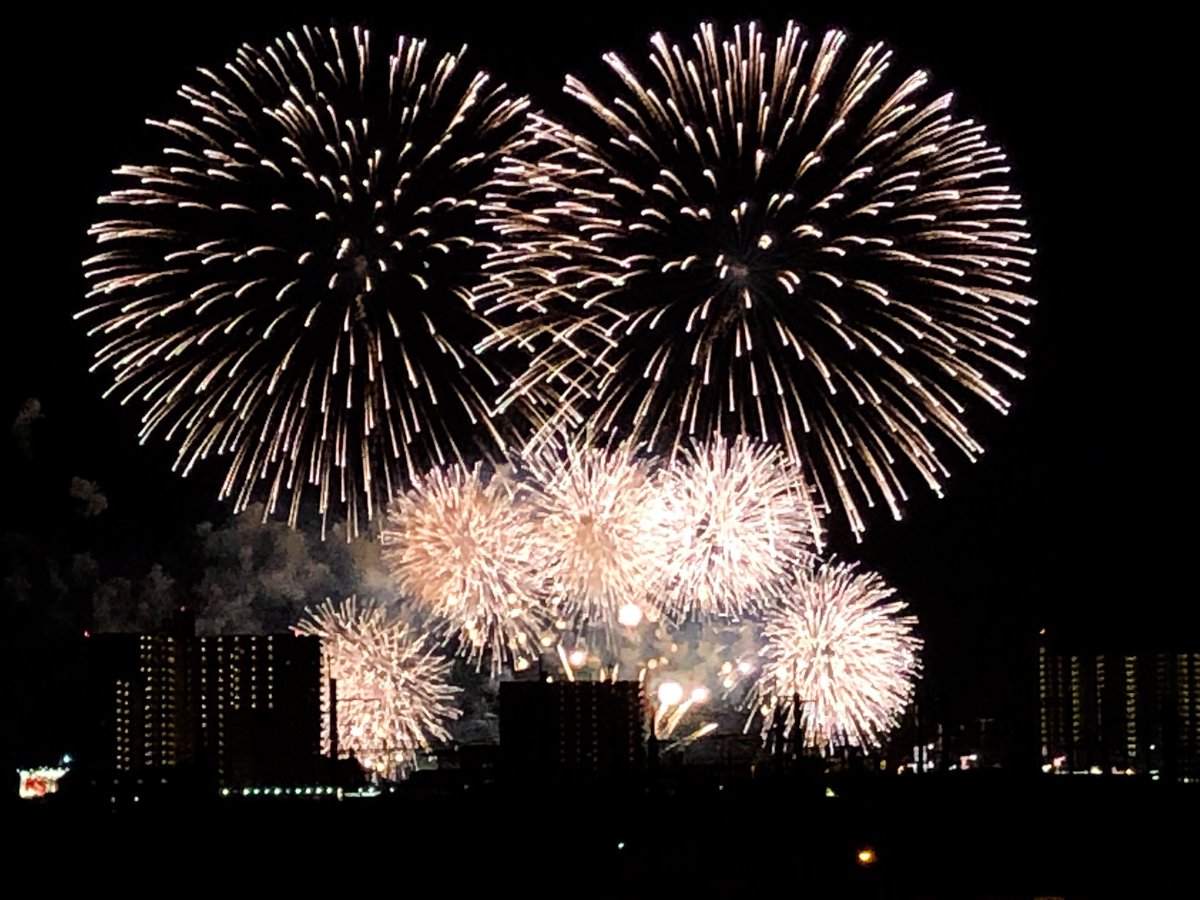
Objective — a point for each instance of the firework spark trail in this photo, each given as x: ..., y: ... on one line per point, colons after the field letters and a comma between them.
x: 295, y: 283
x: 715, y: 659
x: 794, y: 242
x: 741, y: 519
x: 840, y: 646
x: 601, y: 534
x: 463, y: 546
x: 394, y: 696
x: 711, y: 663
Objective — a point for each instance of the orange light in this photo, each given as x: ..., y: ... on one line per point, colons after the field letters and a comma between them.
x: 866, y: 856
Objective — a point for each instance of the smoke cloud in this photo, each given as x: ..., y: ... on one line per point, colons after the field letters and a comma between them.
x: 22, y: 426
x: 91, y: 499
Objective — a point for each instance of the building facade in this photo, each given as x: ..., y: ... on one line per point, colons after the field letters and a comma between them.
x: 1127, y: 712
x: 239, y: 710
x: 574, y: 730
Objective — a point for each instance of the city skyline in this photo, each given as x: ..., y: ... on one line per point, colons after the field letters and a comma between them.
x: 1047, y: 530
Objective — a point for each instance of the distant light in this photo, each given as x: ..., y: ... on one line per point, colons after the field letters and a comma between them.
x: 700, y: 695
x: 670, y: 693
x: 830, y: 792
x: 744, y: 667
x: 620, y: 845
x: 577, y: 658
x: 630, y: 615
x: 866, y: 856
x: 38, y: 782
x: 67, y: 759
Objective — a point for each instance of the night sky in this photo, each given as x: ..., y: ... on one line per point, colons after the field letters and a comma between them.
x: 1068, y: 522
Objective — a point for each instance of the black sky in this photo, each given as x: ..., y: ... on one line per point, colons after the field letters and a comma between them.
x: 1071, y: 520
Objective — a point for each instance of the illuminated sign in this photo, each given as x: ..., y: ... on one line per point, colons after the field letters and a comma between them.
x: 39, y: 782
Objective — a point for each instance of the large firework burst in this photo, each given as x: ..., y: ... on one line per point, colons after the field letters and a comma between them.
x: 839, y: 646
x: 393, y: 695
x: 795, y: 241
x: 601, y: 532
x: 462, y: 546
x: 294, y: 284
x: 740, y: 518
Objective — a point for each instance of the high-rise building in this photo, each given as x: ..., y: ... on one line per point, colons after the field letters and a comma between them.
x: 564, y: 729
x: 239, y: 710
x: 1125, y: 711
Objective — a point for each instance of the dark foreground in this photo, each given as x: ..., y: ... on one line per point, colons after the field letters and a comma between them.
x: 970, y: 835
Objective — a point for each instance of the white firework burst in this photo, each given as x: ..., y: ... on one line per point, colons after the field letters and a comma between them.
x: 394, y: 699
x: 741, y: 518
x: 844, y: 651
x: 788, y: 238
x: 460, y: 545
x: 293, y: 283
x: 600, y: 531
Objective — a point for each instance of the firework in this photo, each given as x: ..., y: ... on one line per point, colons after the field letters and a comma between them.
x: 844, y: 651
x: 393, y: 695
x: 710, y: 665
x: 294, y: 283
x: 601, y: 533
x: 460, y: 545
x: 696, y: 674
x: 741, y: 519
x: 795, y: 241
